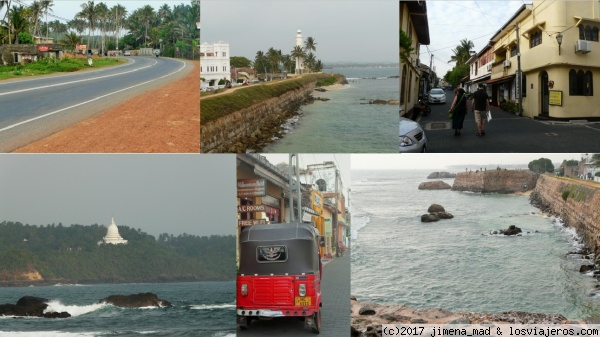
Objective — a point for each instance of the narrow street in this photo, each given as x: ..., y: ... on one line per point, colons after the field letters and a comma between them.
x: 507, y: 132
x: 335, y: 311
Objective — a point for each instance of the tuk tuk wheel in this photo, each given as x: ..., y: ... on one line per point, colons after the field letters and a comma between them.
x: 316, y: 328
x: 243, y: 322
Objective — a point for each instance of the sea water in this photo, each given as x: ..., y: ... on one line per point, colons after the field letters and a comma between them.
x: 457, y: 264
x: 199, y: 309
x: 347, y: 123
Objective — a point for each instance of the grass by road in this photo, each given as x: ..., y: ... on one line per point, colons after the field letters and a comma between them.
x: 49, y: 66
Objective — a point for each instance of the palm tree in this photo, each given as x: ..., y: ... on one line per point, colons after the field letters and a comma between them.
x: 462, y: 53
x: 298, y: 54
x: 318, y: 66
x: 46, y: 4
x: 120, y: 14
x: 6, y: 17
x: 147, y: 14
x: 260, y: 62
x: 310, y: 44
x: 71, y: 40
x: 310, y: 61
x: 274, y: 57
x: 102, y: 14
x: 88, y: 12
x: 288, y: 62
x: 78, y: 25
x: 596, y: 159
x: 18, y: 21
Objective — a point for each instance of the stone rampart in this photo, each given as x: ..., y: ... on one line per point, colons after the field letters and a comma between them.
x: 244, y: 128
x: 495, y: 181
x: 576, y: 202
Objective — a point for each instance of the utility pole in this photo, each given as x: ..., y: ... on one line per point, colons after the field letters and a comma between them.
x: 294, y: 186
x: 335, y: 215
x: 430, y: 73
x: 291, y: 187
x: 519, y: 76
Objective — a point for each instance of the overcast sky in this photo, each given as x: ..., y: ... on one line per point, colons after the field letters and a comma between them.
x: 346, y: 30
x: 173, y: 194
x: 452, y: 21
x: 438, y: 161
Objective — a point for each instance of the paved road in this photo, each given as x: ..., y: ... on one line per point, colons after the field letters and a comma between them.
x: 508, y: 133
x: 34, y: 108
x: 336, y: 307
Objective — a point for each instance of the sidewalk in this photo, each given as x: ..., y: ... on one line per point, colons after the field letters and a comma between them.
x: 507, y: 132
x: 335, y: 288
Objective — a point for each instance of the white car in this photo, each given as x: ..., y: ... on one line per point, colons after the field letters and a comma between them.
x: 412, y: 136
x: 437, y: 95
x: 127, y: 53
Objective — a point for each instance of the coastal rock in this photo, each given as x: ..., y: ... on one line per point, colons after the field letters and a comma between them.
x: 366, y: 311
x: 435, y: 208
x: 444, y: 215
x: 511, y: 230
x: 434, y: 185
x: 430, y: 217
x: 321, y: 89
x: 586, y: 267
x: 136, y: 301
x: 441, y: 175
x: 30, y: 306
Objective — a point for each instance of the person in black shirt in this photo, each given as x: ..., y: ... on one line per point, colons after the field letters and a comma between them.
x: 480, y: 106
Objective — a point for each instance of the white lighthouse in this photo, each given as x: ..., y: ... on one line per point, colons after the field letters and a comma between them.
x: 112, y: 235
x: 299, y: 60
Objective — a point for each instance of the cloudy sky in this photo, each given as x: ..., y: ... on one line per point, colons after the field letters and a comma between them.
x: 452, y: 21
x: 172, y: 194
x: 438, y: 161
x: 346, y: 30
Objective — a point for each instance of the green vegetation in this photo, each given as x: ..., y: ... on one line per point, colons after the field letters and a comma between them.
x: 510, y: 106
x: 51, y: 65
x: 172, y: 29
x: 462, y: 53
x: 541, y: 165
x: 405, y: 47
x: 239, y: 62
x: 215, y: 107
x: 565, y: 195
x: 332, y: 79
x: 270, y: 61
x: 72, y: 254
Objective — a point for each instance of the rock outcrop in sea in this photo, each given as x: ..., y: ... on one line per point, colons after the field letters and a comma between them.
x: 136, y: 301
x: 367, y: 318
x: 30, y: 306
x: 441, y: 175
x: 434, y: 185
x: 436, y: 212
x: 511, y: 230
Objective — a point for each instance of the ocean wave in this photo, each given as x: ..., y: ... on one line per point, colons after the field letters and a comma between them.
x: 212, y: 306
x: 358, y: 223
x: 46, y: 334
x: 74, y: 310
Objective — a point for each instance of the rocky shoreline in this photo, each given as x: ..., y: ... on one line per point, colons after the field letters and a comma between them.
x: 283, y: 123
x: 367, y: 318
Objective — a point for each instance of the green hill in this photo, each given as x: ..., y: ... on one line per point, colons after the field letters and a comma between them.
x: 56, y: 253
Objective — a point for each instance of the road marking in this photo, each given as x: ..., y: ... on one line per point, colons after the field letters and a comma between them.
x: 91, y: 100
x: 84, y: 80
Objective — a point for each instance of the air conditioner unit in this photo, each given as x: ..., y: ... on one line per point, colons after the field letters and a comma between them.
x: 583, y: 46
x: 489, y: 67
x: 506, y: 63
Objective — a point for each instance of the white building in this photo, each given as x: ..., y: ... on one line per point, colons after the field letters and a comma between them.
x: 112, y: 235
x: 299, y: 60
x: 214, y: 63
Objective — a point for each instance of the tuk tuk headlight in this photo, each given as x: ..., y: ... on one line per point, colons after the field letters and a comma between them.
x: 244, y: 290
x: 302, y: 289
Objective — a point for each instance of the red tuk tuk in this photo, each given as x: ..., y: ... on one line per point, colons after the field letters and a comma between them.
x: 280, y: 274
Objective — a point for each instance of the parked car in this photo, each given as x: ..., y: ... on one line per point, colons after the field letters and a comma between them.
x: 127, y: 53
x: 437, y: 95
x: 412, y: 136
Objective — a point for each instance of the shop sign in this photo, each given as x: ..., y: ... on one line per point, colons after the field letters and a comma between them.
x: 251, y: 222
x: 555, y: 97
x: 328, y: 227
x: 251, y: 187
x: 251, y: 208
x: 317, y: 200
x: 43, y: 48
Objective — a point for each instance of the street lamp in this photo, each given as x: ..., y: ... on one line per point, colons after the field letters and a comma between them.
x: 559, y: 37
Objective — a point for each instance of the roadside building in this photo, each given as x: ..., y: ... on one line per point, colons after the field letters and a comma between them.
x: 570, y: 168
x: 480, y: 69
x: 214, y: 63
x: 558, y: 46
x: 415, y: 27
x: 587, y: 170
x: 11, y: 54
x: 243, y: 74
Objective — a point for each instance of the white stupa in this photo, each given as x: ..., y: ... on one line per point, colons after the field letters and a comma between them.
x: 112, y: 235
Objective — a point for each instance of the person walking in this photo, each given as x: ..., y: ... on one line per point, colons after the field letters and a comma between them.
x: 458, y: 110
x: 480, y: 106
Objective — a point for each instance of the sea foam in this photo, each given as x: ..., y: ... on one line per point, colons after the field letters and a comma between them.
x: 211, y: 306
x: 74, y: 310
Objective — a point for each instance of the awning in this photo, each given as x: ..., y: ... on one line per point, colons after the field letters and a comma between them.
x: 501, y: 79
